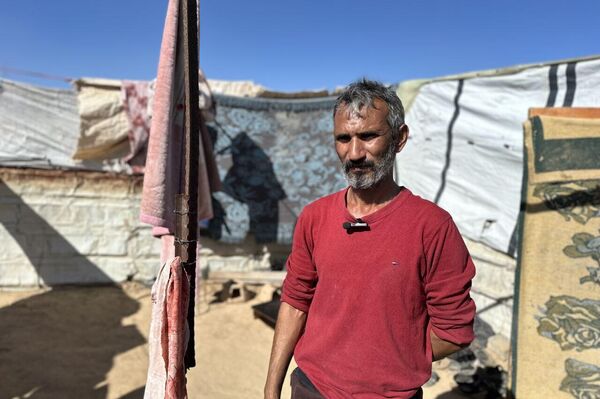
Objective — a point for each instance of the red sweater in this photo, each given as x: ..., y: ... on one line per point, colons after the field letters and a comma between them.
x: 373, y: 296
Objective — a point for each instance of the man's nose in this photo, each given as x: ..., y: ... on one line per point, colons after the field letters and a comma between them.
x: 357, y: 150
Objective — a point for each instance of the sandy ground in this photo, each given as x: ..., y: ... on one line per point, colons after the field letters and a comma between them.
x: 90, y: 342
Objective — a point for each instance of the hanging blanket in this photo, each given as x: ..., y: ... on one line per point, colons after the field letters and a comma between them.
x: 556, y: 344
x: 115, y: 118
x: 135, y: 96
x: 104, y: 127
x: 274, y: 157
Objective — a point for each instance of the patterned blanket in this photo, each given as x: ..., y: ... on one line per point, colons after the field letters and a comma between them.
x: 556, y: 339
x: 274, y: 157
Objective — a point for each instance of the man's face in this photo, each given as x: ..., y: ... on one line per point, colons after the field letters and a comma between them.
x: 364, y: 144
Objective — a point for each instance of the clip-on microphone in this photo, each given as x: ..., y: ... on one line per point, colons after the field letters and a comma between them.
x: 358, y: 225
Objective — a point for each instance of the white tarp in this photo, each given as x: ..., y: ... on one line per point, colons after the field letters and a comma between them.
x: 38, y: 126
x: 465, y: 150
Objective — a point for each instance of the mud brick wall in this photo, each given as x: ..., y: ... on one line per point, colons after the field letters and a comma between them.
x: 80, y: 227
x: 63, y: 227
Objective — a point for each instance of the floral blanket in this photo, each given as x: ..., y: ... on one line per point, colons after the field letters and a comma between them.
x: 274, y: 157
x: 556, y: 339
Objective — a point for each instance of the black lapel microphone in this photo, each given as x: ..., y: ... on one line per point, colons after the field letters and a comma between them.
x: 358, y: 225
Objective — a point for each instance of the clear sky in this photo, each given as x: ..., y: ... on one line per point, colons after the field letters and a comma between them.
x: 302, y: 44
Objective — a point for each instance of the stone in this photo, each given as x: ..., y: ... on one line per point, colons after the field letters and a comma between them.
x: 492, y: 280
x: 116, y: 268
x: 498, y: 350
x: 72, y: 270
x: 143, y: 244
x: 8, y: 214
x: 114, y: 245
x: 18, y: 274
x: 147, y: 269
x: 498, y: 314
x: 433, y: 380
x: 228, y: 263
x: 11, y: 245
x: 83, y: 244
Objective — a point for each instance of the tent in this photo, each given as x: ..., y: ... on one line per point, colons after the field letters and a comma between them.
x: 466, y: 146
x: 465, y: 153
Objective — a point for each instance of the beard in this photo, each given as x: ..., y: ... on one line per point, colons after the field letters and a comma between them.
x: 366, y: 174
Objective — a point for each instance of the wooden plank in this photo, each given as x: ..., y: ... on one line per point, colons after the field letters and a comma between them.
x: 186, y: 230
x: 566, y: 112
x: 254, y: 277
x: 267, y: 311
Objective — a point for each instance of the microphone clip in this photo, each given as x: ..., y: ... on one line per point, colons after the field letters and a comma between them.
x: 356, y: 226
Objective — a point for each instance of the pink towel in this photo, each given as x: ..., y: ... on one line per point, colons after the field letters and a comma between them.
x: 163, y: 174
x: 169, y: 333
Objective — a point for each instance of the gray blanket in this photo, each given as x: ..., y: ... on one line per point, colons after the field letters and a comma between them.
x: 274, y: 157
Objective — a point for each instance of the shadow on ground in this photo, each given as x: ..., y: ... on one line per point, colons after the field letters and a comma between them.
x: 50, y: 348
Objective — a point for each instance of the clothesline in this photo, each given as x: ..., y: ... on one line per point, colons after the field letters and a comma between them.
x: 41, y: 75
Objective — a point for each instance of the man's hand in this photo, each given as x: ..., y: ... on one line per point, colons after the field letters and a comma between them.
x: 289, y: 327
x: 441, y: 348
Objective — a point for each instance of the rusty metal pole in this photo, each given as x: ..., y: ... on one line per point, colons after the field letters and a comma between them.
x: 186, y: 230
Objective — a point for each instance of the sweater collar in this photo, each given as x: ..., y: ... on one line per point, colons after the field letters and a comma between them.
x: 378, y: 214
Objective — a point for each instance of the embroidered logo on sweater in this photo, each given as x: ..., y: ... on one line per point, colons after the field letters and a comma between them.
x: 395, y: 264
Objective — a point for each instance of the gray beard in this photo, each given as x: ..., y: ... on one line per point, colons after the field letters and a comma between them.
x: 373, y: 173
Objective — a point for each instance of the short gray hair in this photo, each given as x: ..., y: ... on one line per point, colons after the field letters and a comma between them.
x: 363, y: 92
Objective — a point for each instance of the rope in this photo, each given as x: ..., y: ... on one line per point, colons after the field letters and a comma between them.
x: 41, y: 75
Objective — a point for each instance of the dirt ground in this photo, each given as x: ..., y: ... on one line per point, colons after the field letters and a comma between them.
x: 90, y: 342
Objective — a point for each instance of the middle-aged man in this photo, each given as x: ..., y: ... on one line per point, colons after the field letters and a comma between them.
x: 378, y: 280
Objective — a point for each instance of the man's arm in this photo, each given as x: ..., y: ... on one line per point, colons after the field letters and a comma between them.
x: 441, y: 348
x: 447, y: 287
x: 289, y: 327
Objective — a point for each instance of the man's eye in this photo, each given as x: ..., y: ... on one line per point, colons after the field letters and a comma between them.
x: 368, y: 136
x: 342, y: 139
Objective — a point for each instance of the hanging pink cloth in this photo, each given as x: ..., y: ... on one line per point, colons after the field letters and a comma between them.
x: 169, y: 333
x: 163, y: 172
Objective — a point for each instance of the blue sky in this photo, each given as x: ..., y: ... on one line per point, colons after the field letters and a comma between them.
x: 295, y: 45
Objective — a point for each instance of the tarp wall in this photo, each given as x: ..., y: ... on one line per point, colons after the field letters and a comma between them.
x: 38, y: 126
x: 465, y: 150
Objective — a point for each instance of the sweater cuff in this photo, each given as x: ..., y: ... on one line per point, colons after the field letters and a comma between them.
x: 301, y: 305
x: 461, y: 336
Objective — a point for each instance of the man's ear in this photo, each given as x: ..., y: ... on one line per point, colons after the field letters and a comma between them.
x: 403, y: 137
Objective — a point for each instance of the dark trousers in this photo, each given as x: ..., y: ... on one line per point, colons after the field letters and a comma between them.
x: 302, y: 388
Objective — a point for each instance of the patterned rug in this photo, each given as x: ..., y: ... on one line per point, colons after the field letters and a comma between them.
x: 556, y: 332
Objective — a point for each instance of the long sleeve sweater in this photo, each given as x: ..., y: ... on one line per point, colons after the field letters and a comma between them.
x: 372, y: 297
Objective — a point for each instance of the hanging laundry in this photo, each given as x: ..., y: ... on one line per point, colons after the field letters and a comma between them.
x: 135, y: 96
x: 275, y: 157
x: 169, y: 333
x: 104, y: 127
x: 163, y: 174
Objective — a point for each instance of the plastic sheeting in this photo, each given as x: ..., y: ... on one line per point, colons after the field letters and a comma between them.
x: 465, y: 150
x: 38, y: 126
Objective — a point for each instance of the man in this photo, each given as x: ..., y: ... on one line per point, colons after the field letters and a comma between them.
x: 378, y: 280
